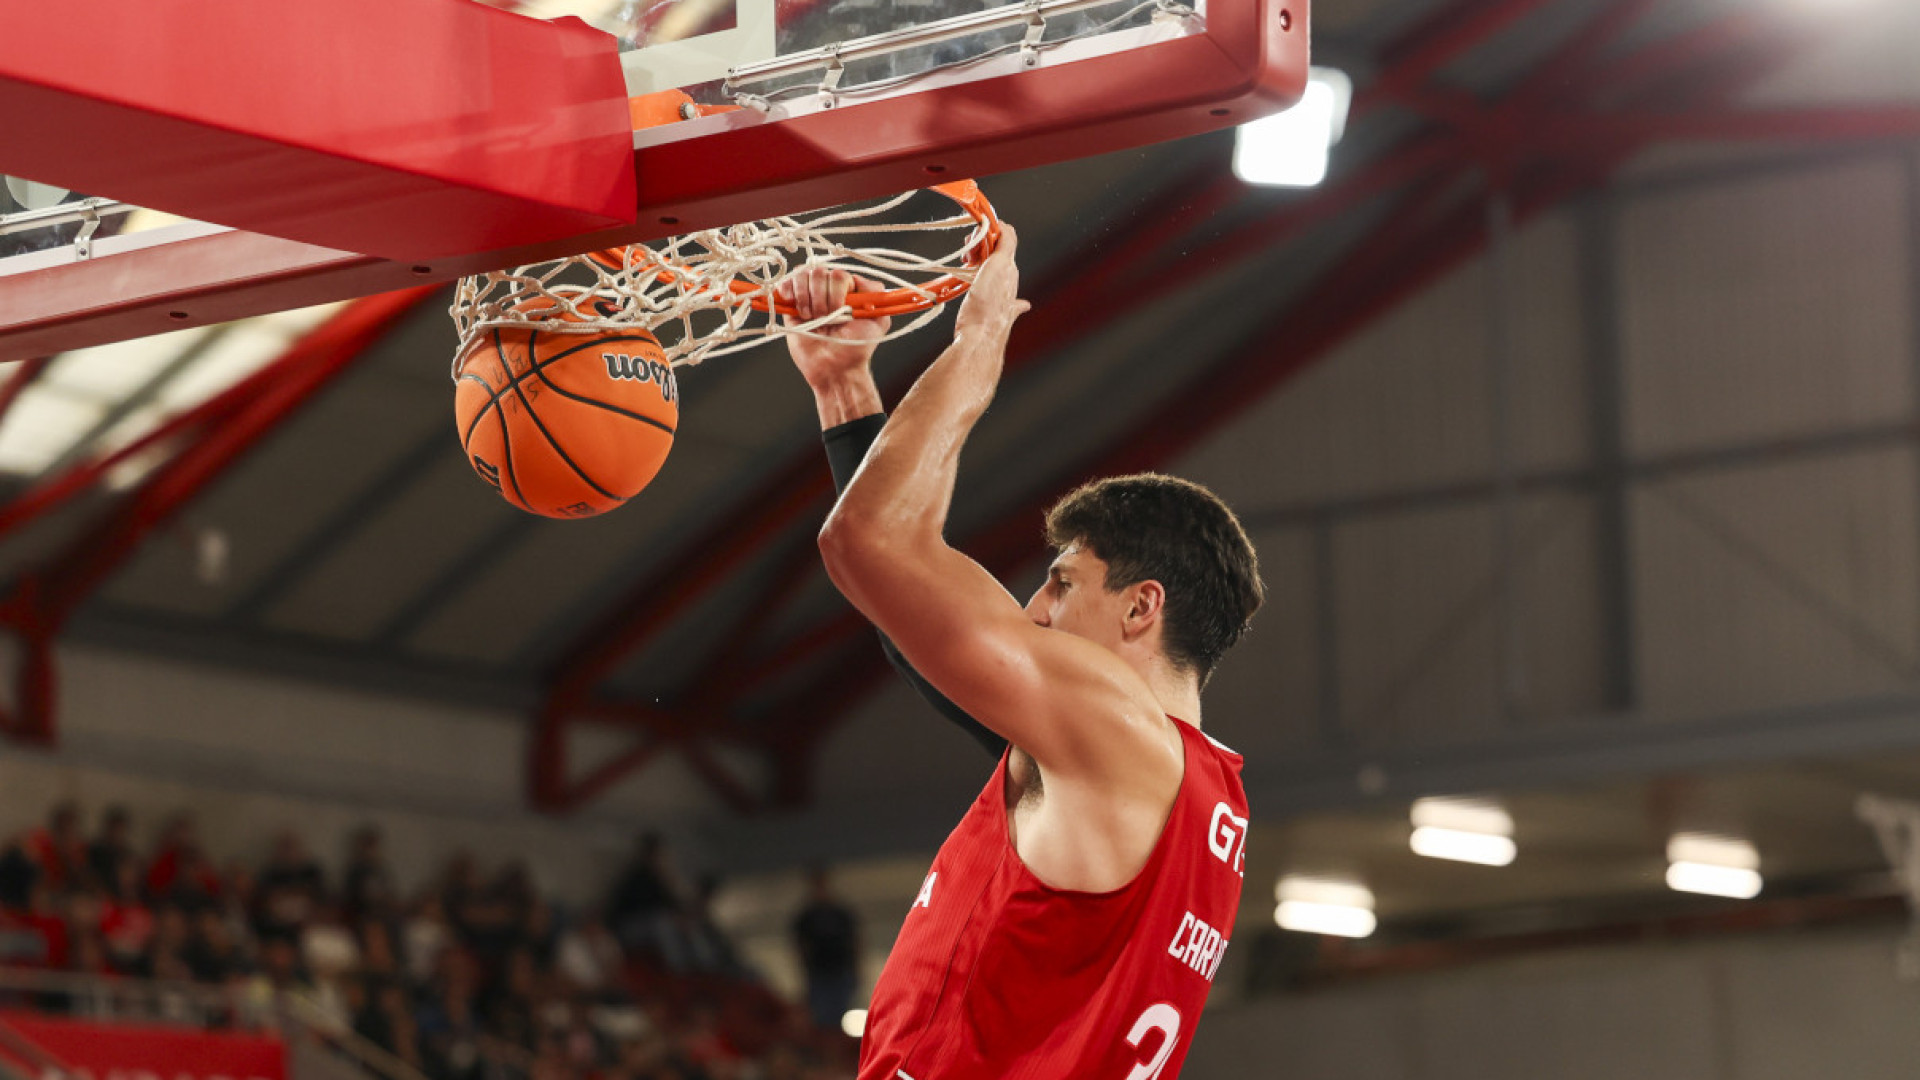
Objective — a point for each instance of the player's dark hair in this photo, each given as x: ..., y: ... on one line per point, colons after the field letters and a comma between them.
x: 1159, y: 528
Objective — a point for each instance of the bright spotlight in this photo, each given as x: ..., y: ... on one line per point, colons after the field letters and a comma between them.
x: 1457, y: 846
x: 1463, y: 830
x: 1324, y: 906
x: 1713, y: 865
x: 1728, y: 881
x: 1330, y: 919
x: 1290, y: 149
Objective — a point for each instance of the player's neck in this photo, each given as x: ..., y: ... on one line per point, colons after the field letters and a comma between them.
x: 1177, y: 691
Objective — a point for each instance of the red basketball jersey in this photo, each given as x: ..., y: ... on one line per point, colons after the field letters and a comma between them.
x: 997, y: 976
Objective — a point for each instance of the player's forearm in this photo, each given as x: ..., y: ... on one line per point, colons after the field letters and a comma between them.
x: 847, y: 445
x: 844, y: 397
x: 903, y: 492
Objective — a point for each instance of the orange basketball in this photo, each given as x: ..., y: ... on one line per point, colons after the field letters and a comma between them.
x: 568, y: 425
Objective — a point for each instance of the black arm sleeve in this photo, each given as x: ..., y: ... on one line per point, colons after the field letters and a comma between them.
x: 847, y: 447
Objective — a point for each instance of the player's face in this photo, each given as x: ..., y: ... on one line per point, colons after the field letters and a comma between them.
x: 1075, y: 599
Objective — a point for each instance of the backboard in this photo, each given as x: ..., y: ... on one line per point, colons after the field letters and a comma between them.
x: 480, y: 136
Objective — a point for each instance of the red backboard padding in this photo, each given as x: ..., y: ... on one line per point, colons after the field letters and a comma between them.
x: 402, y: 128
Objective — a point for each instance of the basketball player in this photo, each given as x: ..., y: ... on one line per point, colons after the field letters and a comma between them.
x: 1071, y: 925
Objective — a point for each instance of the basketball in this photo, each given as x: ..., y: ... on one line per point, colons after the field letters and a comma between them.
x: 565, y: 424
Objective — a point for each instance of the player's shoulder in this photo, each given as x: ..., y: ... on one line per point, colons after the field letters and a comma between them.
x: 1220, y: 749
x: 1220, y: 746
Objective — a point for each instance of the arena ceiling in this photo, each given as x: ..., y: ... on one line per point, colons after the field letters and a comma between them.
x: 341, y: 536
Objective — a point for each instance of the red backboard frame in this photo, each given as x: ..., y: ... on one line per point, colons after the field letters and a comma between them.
x: 1239, y: 60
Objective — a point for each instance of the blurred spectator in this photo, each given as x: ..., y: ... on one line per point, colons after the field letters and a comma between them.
x: 384, y: 1017
x: 705, y: 1047
x: 426, y: 936
x: 212, y: 953
x: 90, y: 955
x: 328, y: 949
x: 58, y: 847
x: 239, y: 899
x: 377, y: 954
x: 111, y: 853
x: 280, y: 964
x: 644, y: 907
x: 45, y: 915
x: 126, y: 923
x: 367, y: 891
x: 180, y: 873
x: 487, y: 921
x: 588, y: 956
x: 828, y: 939
x: 459, y: 886
x: 166, y: 950
x: 24, y: 937
x: 18, y: 872
x: 508, y: 1001
x: 482, y: 980
x: 83, y: 910
x: 289, y: 891
x: 449, y: 1032
x: 708, y: 947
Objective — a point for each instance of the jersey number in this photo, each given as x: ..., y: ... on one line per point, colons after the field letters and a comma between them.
x: 1162, y: 1018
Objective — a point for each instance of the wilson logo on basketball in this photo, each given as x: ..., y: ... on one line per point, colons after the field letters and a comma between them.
x: 488, y: 472
x: 640, y: 369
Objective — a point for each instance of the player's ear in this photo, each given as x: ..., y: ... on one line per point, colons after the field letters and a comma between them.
x: 1147, y: 604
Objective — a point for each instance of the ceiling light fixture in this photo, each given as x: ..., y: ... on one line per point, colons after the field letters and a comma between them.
x: 1291, y: 148
x: 1323, y: 906
x: 1713, y: 866
x: 1463, y: 830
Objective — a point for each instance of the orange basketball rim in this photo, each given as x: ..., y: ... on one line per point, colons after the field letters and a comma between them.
x: 872, y: 305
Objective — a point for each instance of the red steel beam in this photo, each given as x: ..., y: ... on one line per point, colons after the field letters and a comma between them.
x: 41, y: 600
x: 1441, y: 39
x: 552, y: 790
x: 1566, y: 70
x: 562, y: 797
x: 49, y: 493
x: 309, y: 366
x: 1571, y: 65
x: 1648, y: 72
x: 549, y: 784
x: 19, y: 379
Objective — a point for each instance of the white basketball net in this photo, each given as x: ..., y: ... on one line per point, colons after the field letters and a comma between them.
x: 686, y: 281
x: 1896, y: 823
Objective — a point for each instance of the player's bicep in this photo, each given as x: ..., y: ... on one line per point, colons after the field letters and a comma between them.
x: 1045, y: 691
